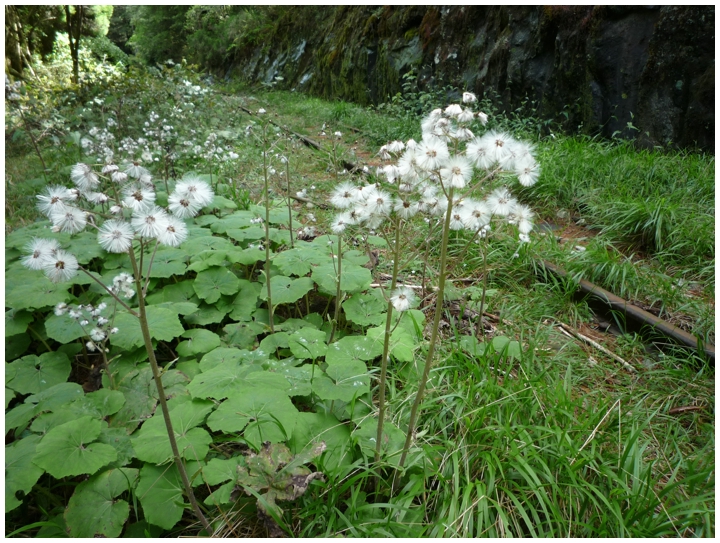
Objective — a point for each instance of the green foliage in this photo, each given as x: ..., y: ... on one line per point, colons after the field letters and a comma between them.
x: 159, y: 32
x: 522, y: 433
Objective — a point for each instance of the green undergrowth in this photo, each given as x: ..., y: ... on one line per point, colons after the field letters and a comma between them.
x: 523, y: 432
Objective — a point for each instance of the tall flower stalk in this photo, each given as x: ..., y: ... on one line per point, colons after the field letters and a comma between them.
x: 266, y: 195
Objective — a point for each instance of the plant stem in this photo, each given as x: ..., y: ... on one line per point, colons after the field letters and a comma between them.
x: 161, y: 395
x: 481, y: 328
x: 287, y: 177
x: 386, y: 345
x: 267, y: 231
x: 433, y: 337
x: 131, y: 311
x: 338, y: 294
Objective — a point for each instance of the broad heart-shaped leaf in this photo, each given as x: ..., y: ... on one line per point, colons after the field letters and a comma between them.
x: 366, y: 308
x: 242, y: 334
x: 207, y: 259
x: 267, y: 412
x: 68, y: 449
x: 354, y: 278
x: 20, y: 473
x: 63, y: 328
x: 245, y: 303
x: 472, y: 345
x: 300, y: 379
x: 213, y: 282
x: 342, y: 381
x: 141, y: 396
x: 299, y: 260
x: 93, y: 510
x: 285, y: 290
x: 167, y: 262
x: 313, y: 428
x: 221, y: 356
x: 238, y: 219
x: 34, y: 374
x: 151, y: 442
x: 402, y: 343
x: 206, y: 314
x: 248, y: 256
x: 16, y: 322
x: 232, y: 379
x: 177, y: 292
x: 353, y: 348
x: 161, y: 494
x: 308, y: 343
x: 505, y: 347
x: 273, y: 342
x: 200, y: 341
x: 164, y: 325
x: 16, y: 345
x: 38, y: 292
x: 219, y: 471
x: 393, y: 440
x: 195, y: 246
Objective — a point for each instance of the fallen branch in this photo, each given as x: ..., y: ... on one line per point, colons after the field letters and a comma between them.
x: 569, y: 331
x: 685, y: 409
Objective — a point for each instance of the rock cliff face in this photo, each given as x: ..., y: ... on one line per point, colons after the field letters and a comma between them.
x: 601, y: 67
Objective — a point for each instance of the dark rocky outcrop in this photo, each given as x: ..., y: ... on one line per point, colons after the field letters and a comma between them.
x: 638, y: 71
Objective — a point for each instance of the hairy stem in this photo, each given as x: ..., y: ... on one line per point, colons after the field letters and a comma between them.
x: 338, y: 294
x: 161, y: 395
x: 433, y: 337
x: 386, y: 344
x: 267, y: 231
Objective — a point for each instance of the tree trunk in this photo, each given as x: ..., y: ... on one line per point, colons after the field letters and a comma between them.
x: 74, y: 26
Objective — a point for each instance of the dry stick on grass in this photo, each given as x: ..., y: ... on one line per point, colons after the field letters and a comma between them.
x: 569, y: 331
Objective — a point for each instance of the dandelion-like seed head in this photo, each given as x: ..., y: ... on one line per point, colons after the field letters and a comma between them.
x: 174, y: 233
x: 116, y: 236
x: 62, y: 266
x: 402, y: 298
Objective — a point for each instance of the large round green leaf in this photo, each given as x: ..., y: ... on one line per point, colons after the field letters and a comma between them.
x: 63, y: 328
x: 213, y: 282
x: 69, y: 449
x: 353, y: 348
x: 366, y: 309
x: 16, y: 322
x: 342, y: 381
x: 161, y: 494
x: 268, y: 414
x: 308, y: 343
x: 285, y: 290
x: 20, y: 473
x: 94, y: 511
x: 151, y: 442
x: 200, y: 341
x: 354, y: 278
x: 34, y: 374
x: 299, y: 260
x: 164, y: 325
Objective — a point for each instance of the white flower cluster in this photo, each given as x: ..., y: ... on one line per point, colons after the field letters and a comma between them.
x: 136, y: 195
x: 88, y: 316
x: 123, y: 284
x: 425, y: 172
